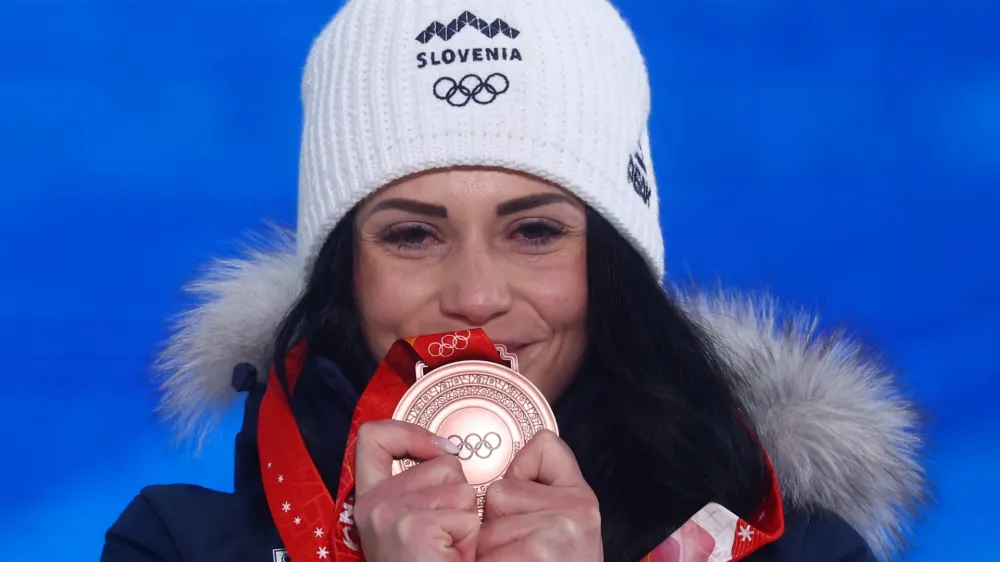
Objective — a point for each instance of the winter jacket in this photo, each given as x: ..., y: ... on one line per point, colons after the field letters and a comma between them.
x: 841, y: 438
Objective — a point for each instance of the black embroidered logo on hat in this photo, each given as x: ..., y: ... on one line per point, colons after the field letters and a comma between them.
x: 637, y: 175
x: 446, y: 32
x: 471, y: 88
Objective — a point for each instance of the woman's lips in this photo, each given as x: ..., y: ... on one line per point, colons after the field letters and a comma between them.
x: 513, y: 347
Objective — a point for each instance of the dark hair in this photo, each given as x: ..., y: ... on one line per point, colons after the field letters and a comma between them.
x: 652, y: 416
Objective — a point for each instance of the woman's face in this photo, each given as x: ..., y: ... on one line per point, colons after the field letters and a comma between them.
x: 477, y: 248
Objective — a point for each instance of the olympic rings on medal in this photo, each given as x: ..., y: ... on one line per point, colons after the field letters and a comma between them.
x: 449, y: 344
x: 471, y: 87
x: 473, y: 444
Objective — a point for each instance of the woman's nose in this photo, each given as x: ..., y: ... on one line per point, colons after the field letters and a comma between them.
x: 475, y: 289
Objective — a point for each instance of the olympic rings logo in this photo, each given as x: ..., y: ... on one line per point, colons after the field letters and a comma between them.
x: 449, y: 344
x: 471, y: 88
x: 473, y: 444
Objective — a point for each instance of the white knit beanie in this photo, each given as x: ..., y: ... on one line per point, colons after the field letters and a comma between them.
x: 553, y: 88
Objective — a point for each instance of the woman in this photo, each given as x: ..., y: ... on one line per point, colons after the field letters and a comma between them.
x: 486, y: 165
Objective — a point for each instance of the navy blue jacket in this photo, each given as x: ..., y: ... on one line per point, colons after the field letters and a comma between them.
x: 186, y: 523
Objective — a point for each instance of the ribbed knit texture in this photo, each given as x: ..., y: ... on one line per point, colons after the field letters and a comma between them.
x: 387, y: 96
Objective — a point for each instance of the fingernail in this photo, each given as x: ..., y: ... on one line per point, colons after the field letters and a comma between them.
x: 445, y: 444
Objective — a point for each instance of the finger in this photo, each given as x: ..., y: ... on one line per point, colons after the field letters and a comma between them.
x: 463, y: 528
x: 382, y: 441
x: 458, y: 529
x: 546, y: 535
x: 459, y: 497
x: 494, y: 535
x: 442, y: 470
x: 546, y: 459
x: 513, y: 497
x: 535, y: 550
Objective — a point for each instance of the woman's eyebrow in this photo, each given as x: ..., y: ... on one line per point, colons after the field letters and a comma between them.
x: 411, y: 206
x: 531, y: 201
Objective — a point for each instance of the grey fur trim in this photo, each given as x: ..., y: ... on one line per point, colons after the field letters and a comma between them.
x: 240, y: 304
x: 839, y: 433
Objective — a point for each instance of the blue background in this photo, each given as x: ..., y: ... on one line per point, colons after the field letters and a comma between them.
x: 844, y: 155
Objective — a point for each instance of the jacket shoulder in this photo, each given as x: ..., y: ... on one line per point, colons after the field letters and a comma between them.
x: 175, y: 523
x: 818, y: 536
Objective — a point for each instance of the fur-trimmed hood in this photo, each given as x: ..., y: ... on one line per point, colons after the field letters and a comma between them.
x: 839, y: 433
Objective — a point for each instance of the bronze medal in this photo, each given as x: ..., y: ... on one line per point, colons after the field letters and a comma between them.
x: 488, y: 410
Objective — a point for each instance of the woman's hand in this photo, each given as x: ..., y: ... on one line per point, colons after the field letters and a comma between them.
x: 542, y: 510
x: 427, y: 513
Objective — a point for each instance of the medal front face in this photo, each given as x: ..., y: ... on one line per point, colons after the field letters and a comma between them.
x: 487, y: 410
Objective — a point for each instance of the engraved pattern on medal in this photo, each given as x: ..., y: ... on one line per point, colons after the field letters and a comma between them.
x: 491, y: 387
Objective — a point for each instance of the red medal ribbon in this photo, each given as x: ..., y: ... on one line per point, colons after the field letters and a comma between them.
x: 313, y: 525
x: 300, y: 504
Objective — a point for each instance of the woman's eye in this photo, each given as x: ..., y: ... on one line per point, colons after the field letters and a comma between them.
x: 409, y: 237
x: 539, y: 232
